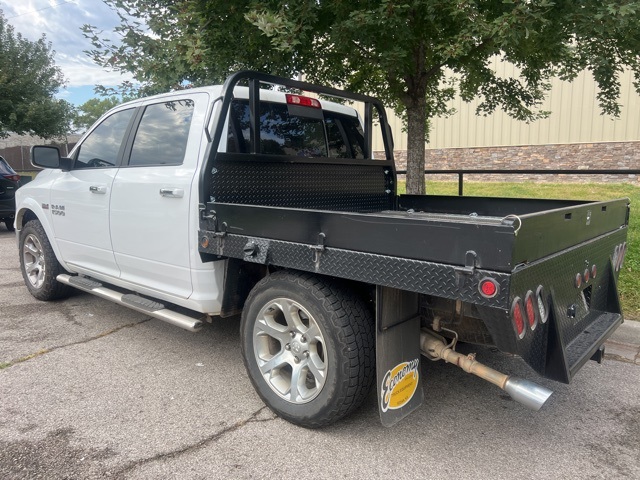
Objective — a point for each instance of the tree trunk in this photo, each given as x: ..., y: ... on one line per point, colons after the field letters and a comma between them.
x: 416, y: 133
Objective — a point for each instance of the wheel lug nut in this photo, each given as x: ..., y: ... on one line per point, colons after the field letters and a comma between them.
x: 303, y: 339
x: 292, y: 333
x: 306, y: 354
x: 287, y: 346
x: 296, y: 359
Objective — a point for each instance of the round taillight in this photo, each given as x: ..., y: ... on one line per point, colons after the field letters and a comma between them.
x: 578, y: 280
x: 488, y: 287
x: 542, y: 304
x: 517, y: 316
x: 586, y: 275
x: 530, y: 308
x: 594, y: 271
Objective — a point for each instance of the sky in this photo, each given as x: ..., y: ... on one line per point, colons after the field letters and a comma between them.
x: 60, y: 21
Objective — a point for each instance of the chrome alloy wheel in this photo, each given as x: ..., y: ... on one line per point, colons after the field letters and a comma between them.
x: 290, y: 350
x: 34, y: 263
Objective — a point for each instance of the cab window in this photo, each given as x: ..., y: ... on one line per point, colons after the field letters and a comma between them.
x: 161, y: 138
x: 101, y: 147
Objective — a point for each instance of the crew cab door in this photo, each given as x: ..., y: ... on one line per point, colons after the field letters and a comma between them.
x: 79, y: 201
x: 152, y: 205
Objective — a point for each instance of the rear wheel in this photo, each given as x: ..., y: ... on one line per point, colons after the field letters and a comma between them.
x: 308, y: 347
x: 39, y: 264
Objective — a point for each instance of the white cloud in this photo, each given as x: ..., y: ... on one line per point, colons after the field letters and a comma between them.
x: 63, y: 94
x: 80, y: 71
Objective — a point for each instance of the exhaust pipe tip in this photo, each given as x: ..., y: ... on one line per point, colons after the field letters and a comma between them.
x: 529, y: 394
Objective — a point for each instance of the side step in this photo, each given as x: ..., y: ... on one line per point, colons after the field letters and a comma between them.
x: 130, y: 300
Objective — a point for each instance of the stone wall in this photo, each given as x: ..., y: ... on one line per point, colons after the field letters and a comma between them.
x: 576, y: 156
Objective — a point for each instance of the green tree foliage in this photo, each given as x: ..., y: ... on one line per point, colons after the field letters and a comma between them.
x: 92, y: 110
x: 28, y: 80
x: 167, y: 44
x: 414, y: 55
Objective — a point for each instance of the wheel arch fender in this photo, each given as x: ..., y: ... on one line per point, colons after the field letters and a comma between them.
x: 241, y: 276
x: 31, y: 210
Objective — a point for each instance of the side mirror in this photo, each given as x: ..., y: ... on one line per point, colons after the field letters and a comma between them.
x: 48, y: 156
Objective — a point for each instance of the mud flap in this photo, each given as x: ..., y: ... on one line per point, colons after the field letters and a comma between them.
x: 399, y: 382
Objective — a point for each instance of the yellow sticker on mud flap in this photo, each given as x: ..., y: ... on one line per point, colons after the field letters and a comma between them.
x: 399, y: 384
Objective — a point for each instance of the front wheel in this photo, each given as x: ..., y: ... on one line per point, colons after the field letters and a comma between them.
x: 39, y: 264
x: 308, y: 347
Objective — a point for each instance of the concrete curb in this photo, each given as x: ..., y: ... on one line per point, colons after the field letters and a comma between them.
x: 624, y: 344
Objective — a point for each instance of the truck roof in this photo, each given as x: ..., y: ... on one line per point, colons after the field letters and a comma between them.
x: 243, y: 92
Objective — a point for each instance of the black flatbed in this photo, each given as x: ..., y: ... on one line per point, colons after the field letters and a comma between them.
x: 499, y: 242
x: 343, y: 218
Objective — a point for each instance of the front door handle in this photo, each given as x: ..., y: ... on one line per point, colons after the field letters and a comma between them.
x: 98, y: 189
x: 172, y: 192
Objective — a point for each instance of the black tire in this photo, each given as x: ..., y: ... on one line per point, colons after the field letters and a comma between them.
x: 337, y: 369
x: 9, y: 224
x: 40, y: 267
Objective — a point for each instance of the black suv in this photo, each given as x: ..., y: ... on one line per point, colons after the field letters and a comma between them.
x: 9, y: 183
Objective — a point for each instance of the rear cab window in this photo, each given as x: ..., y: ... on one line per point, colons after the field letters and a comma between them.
x: 296, y: 131
x: 161, y: 137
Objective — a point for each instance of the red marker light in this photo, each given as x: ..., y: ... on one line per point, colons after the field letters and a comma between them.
x: 531, y: 310
x: 303, y: 101
x: 488, y: 288
x: 518, y: 317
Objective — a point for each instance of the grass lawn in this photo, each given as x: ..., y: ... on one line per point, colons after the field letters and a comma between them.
x: 629, y: 283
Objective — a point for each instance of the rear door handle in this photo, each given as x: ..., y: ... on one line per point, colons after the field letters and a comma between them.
x: 98, y: 189
x: 172, y: 192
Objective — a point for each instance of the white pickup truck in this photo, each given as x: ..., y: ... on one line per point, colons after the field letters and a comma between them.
x: 226, y: 199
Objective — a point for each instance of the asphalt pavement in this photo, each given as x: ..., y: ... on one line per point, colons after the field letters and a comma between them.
x: 91, y: 390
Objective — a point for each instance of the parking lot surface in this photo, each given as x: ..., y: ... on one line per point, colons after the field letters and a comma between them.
x: 90, y: 390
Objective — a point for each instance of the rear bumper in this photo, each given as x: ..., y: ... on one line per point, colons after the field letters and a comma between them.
x: 579, y: 318
x: 589, y: 341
